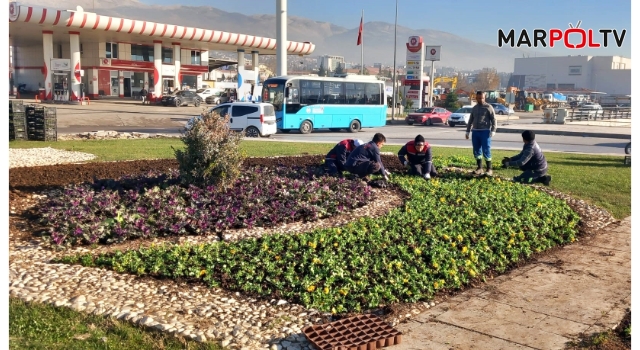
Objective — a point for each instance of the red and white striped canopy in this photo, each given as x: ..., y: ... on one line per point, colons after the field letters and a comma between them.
x: 28, y: 22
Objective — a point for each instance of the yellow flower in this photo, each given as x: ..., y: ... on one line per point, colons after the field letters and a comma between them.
x: 436, y: 285
x: 428, y: 231
x: 311, y: 289
x: 435, y: 265
x: 419, y: 221
x: 343, y: 291
x: 484, y: 223
x: 442, y: 199
x: 333, y: 310
x: 233, y: 251
x: 453, y: 244
x: 278, y: 257
x: 417, y: 251
x: 312, y: 245
x: 445, y: 237
x: 450, y: 221
x: 459, y: 238
x: 472, y: 273
x: 326, y: 290
x: 405, y: 280
x: 203, y: 272
x: 539, y: 204
x: 335, y: 244
x: 464, y: 249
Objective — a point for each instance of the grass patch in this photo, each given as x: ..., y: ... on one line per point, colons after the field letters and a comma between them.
x: 449, y: 232
x: 602, y: 180
x: 39, y: 326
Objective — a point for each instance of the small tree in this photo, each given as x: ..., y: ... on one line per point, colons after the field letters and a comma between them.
x: 223, y: 77
x: 212, y: 152
x: 321, y: 71
x: 339, y: 69
x: 452, y: 100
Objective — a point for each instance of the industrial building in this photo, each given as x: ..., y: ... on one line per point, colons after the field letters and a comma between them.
x: 608, y: 74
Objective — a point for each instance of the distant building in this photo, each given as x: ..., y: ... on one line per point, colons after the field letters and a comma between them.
x: 331, y: 62
x: 609, y: 74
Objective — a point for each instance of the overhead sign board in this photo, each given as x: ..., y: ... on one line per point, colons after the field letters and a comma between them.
x: 432, y: 53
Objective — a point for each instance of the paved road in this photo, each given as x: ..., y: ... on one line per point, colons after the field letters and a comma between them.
x: 399, y: 134
x: 131, y: 116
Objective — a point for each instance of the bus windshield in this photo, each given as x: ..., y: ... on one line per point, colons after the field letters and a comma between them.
x: 273, y: 92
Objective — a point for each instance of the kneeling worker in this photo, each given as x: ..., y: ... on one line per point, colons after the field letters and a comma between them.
x: 420, y: 161
x: 531, y: 161
x: 365, y: 159
x: 338, y: 155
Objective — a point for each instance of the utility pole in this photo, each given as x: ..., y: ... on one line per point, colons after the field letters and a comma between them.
x: 395, y: 37
x: 281, y: 37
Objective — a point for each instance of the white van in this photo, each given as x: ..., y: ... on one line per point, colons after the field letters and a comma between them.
x: 254, y: 118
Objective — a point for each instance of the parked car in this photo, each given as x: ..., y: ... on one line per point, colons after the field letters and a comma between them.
x: 217, y: 98
x: 181, y: 98
x: 576, y: 104
x: 254, y: 118
x: 206, y: 92
x: 428, y: 116
x: 594, y: 106
x: 460, y: 117
x: 501, y: 109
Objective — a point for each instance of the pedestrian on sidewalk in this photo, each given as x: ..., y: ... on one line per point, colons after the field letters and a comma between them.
x: 531, y: 161
x: 483, y: 122
x: 365, y: 159
x: 143, y: 95
x: 416, y: 156
x: 337, y: 157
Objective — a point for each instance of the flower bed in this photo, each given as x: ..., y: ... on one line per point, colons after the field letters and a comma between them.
x: 108, y: 211
x: 449, y: 232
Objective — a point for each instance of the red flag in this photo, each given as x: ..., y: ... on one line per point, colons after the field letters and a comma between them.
x: 360, y: 33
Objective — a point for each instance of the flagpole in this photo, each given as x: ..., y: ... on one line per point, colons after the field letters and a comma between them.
x: 362, y: 46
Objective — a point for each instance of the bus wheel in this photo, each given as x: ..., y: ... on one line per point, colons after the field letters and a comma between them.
x: 354, y: 126
x: 306, y: 127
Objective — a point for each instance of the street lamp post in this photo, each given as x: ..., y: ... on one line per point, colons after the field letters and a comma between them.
x: 395, y: 37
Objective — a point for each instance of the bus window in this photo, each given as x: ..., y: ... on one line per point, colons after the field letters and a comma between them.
x: 311, y: 92
x: 334, y: 92
x: 354, y: 93
x: 373, y: 94
x: 273, y: 93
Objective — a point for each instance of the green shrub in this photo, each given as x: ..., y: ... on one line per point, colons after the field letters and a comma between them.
x: 212, y: 154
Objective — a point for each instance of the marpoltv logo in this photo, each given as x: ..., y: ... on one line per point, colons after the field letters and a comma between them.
x: 580, y: 38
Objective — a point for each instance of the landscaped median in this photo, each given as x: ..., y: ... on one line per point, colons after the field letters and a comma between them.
x: 450, y: 231
x: 430, y: 239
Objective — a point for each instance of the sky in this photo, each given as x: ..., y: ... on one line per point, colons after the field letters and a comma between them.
x: 475, y: 20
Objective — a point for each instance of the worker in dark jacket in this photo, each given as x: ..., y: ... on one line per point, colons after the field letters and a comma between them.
x: 531, y: 161
x: 416, y: 156
x: 335, y: 159
x: 365, y: 159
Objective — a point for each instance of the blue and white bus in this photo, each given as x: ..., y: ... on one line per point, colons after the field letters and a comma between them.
x: 308, y: 102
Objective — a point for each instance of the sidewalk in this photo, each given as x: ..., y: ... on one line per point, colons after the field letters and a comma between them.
x: 582, y: 288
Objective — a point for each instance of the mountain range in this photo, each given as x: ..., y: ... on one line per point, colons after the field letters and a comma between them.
x: 329, y: 38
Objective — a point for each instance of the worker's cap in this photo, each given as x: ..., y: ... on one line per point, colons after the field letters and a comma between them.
x: 358, y: 142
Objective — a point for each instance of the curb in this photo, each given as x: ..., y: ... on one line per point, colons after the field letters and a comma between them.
x: 568, y: 133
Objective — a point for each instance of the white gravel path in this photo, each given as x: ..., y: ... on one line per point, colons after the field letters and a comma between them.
x: 26, y: 157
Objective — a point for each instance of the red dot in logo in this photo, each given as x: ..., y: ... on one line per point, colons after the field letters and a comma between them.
x: 414, y: 41
x: 433, y: 51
